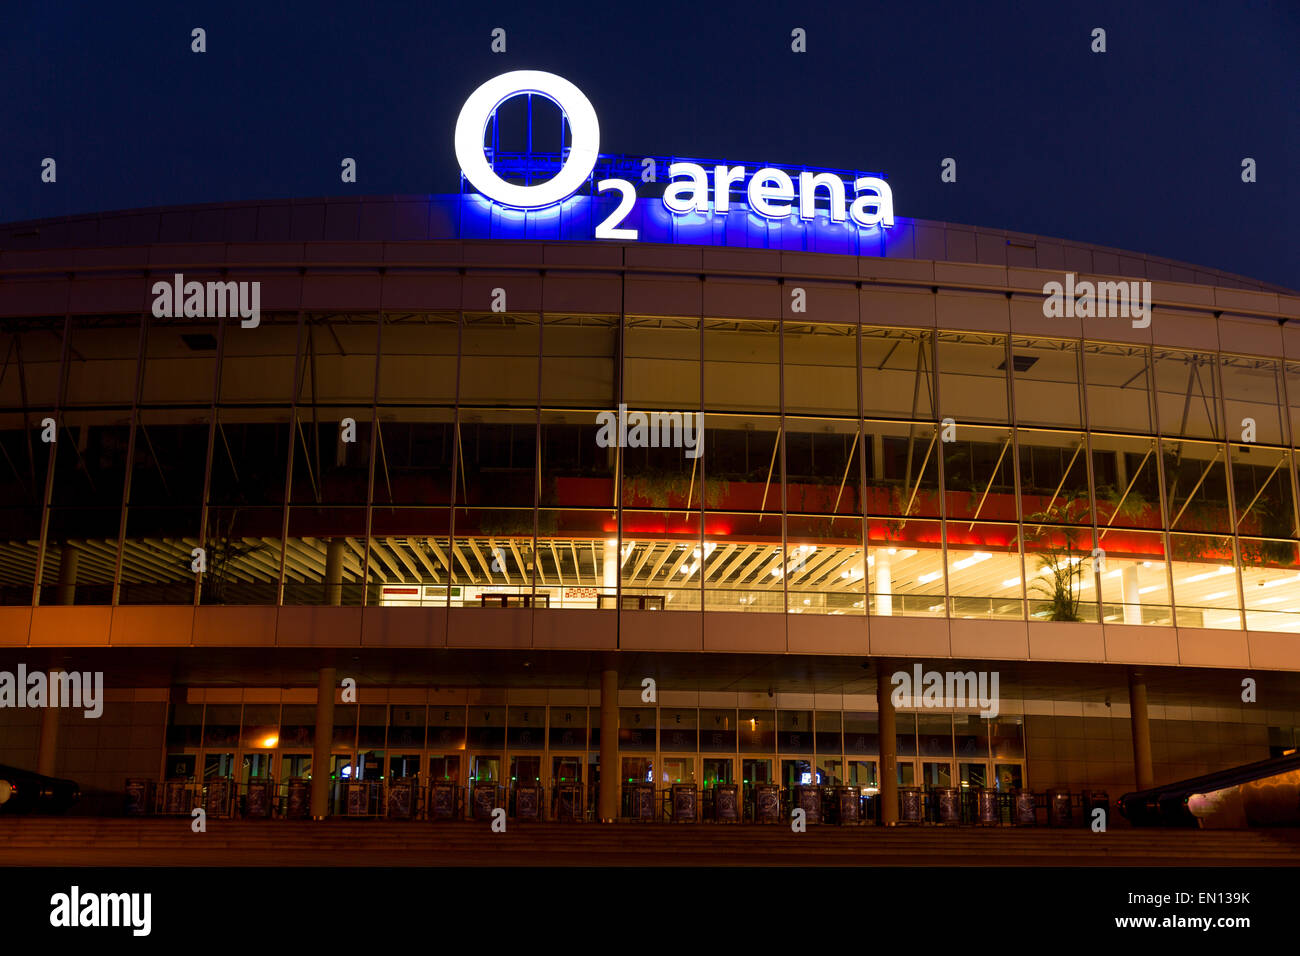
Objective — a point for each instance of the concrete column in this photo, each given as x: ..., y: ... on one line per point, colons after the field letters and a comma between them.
x: 69, y: 559
x: 608, y: 810
x: 1129, y: 594
x: 884, y: 583
x: 1141, y: 722
x: 320, y: 754
x: 334, y: 572
x: 888, y: 795
x: 610, y: 568
x: 48, y: 745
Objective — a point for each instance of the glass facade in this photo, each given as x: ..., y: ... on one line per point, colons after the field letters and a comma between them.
x: 457, y: 459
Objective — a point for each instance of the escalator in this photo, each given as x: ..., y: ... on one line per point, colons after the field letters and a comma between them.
x: 1264, y: 793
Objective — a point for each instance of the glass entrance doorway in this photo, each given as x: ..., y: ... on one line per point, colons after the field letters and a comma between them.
x: 936, y: 773
x: 973, y: 774
x: 796, y: 771
x: 755, y: 771
x: 485, y: 769
x: 718, y: 770
x: 1008, y: 776
x: 906, y: 773
x: 678, y: 770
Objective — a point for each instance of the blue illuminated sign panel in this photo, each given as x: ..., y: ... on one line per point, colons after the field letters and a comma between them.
x: 701, y: 203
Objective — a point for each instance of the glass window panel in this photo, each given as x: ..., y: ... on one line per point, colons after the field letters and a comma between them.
x: 829, y: 732
x: 1196, y: 487
x: 984, y: 571
x: 418, y: 359
x: 261, y: 727
x: 1126, y: 476
x: 741, y: 365
x: 487, y: 727
x: 526, y: 729
x: 221, y: 725
x: 1187, y: 394
x: 718, y: 731
x: 1061, y: 570
x: 180, y: 361
x: 102, y: 361
x: 1054, y: 477
x: 979, y: 474
x: 568, y: 730
x: 579, y: 354
x: 898, y: 374
x: 1135, y: 582
x: 971, y: 735
x: 757, y: 731
x: 905, y: 733
x: 1270, y: 581
x: 1261, y: 487
x: 499, y: 359
x: 406, y: 725
x: 1119, y: 388
x: 1205, y: 581
x: 297, y: 726
x: 902, y: 467
x: 794, y: 731
x: 678, y: 729
x: 33, y: 350
x: 184, y: 725
x: 636, y: 729
x: 821, y: 375
x: 661, y: 364
x: 906, y: 568
x: 861, y: 732
x: 86, y: 505
x: 934, y: 734
x: 1045, y: 373
x: 972, y: 377
x: 446, y: 728
x: 1007, y: 738
x: 1252, y: 390
x: 260, y: 366
x: 823, y: 533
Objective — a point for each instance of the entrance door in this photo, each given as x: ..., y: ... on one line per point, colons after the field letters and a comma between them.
x: 936, y: 773
x: 525, y: 769
x: 862, y: 774
x: 678, y: 770
x: 754, y: 771
x: 906, y: 773
x: 973, y: 774
x: 343, y: 768
x: 218, y: 777
x: 1008, y: 776
x: 718, y: 770
x: 566, y: 772
x: 796, y: 771
x: 485, y: 769
x: 829, y: 771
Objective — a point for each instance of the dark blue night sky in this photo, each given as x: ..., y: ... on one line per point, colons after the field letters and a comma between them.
x: 1139, y: 148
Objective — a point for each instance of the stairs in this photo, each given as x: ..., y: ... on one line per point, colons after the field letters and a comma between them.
x: 78, y: 841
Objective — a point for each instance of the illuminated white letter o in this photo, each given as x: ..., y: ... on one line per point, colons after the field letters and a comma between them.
x: 473, y: 120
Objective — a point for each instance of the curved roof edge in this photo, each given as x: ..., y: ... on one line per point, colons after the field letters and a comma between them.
x: 412, y: 218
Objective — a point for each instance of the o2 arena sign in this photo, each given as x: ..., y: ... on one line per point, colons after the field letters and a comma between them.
x: 694, y: 190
